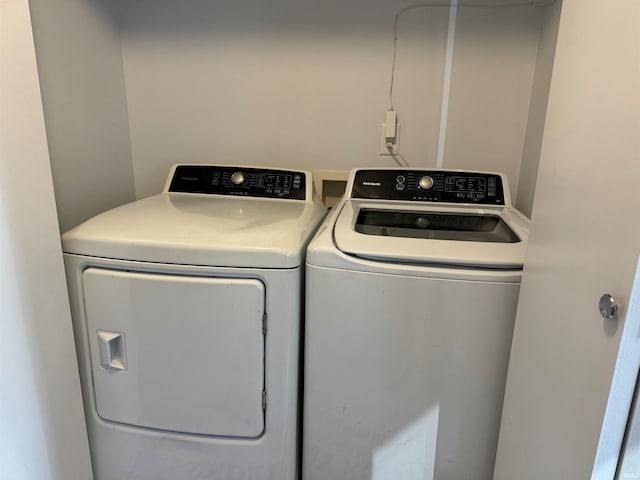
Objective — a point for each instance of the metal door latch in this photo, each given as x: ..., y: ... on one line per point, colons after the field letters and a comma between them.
x: 608, y: 306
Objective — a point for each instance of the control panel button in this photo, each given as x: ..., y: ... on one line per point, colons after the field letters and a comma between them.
x: 237, y: 178
x: 425, y: 182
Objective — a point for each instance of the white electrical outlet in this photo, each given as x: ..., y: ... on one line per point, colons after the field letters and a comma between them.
x: 383, y: 149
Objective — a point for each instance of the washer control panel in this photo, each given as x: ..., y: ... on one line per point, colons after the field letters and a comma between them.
x: 429, y: 186
x: 239, y: 181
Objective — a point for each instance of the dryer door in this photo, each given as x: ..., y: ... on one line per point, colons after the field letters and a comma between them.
x: 177, y: 353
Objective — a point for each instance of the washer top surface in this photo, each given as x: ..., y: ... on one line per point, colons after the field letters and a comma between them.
x: 438, y: 217
x: 231, y: 226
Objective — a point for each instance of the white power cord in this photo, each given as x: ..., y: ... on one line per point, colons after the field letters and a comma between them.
x: 461, y: 4
x: 395, y: 154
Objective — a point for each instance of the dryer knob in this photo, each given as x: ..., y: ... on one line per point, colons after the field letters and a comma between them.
x: 237, y: 178
x: 426, y: 182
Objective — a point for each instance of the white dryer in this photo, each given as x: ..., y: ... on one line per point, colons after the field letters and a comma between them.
x: 187, y: 317
x: 412, y: 286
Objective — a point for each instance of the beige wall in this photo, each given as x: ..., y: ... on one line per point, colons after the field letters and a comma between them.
x: 42, y: 429
x: 493, y: 70
x: 305, y: 84
x: 538, y: 109
x: 80, y: 66
x: 131, y: 87
x: 567, y: 361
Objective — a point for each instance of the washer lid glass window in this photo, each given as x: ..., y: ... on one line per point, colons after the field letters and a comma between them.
x: 438, y: 226
x: 432, y: 235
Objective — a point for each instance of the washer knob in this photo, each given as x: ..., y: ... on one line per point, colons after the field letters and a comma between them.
x: 237, y: 178
x: 425, y: 182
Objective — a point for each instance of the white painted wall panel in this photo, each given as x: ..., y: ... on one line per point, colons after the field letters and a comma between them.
x: 305, y: 84
x: 288, y: 83
x: 537, y: 110
x: 80, y: 66
x: 494, y: 64
x: 42, y: 429
x: 584, y: 241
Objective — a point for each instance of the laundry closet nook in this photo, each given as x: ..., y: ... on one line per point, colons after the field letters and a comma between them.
x: 131, y: 87
x: 542, y: 91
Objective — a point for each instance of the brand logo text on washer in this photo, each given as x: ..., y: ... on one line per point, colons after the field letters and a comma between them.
x: 372, y: 184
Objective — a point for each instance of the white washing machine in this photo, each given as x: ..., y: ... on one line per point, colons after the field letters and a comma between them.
x: 412, y: 285
x: 187, y: 314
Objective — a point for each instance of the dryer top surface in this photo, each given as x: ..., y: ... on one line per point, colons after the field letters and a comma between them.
x: 200, y: 230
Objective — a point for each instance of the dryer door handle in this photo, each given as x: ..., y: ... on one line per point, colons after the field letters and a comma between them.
x: 112, y: 350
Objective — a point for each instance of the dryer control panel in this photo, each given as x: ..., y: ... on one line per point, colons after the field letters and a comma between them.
x: 429, y: 186
x: 239, y: 181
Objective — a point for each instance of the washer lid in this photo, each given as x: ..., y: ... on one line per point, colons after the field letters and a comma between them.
x: 412, y: 233
x: 201, y: 230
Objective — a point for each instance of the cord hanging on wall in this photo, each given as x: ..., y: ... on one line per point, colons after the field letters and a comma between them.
x: 453, y: 5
